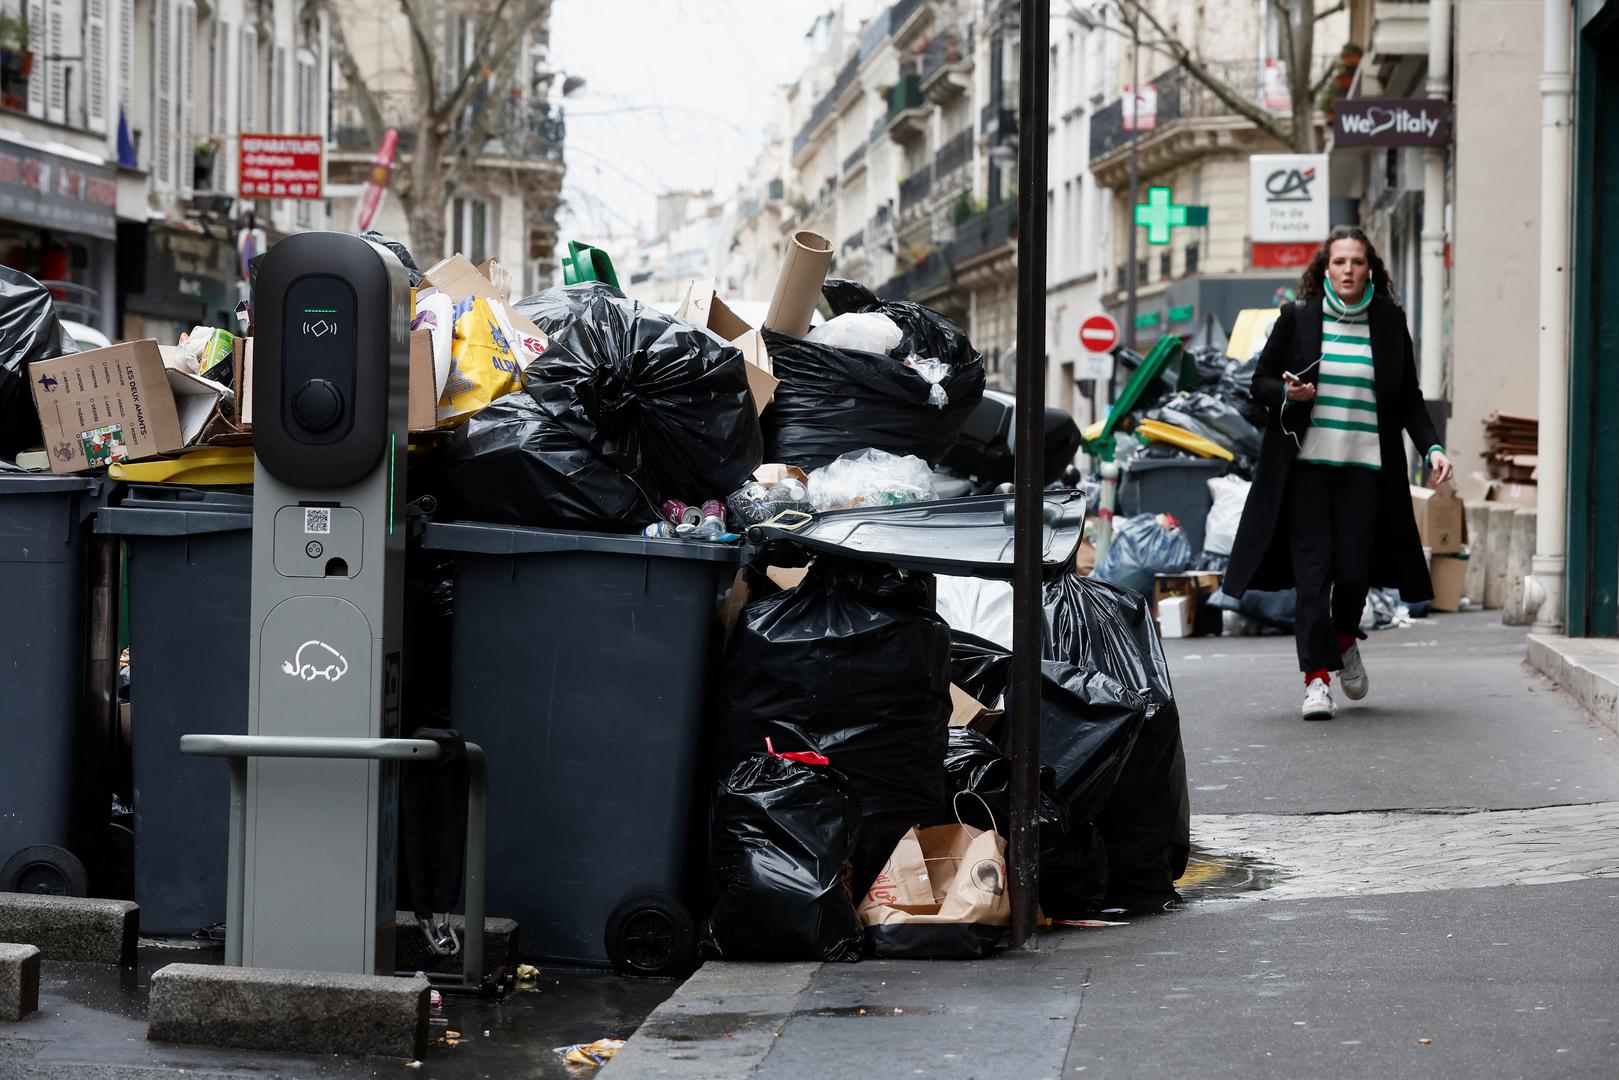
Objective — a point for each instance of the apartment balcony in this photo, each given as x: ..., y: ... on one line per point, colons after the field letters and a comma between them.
x: 824, y: 109
x: 855, y: 163
x: 907, y: 111
x: 525, y: 134
x: 953, y: 157
x: 1399, y: 47
x: 992, y: 232
x: 1191, y: 123
x: 924, y: 281
x: 947, y: 66
x: 914, y: 191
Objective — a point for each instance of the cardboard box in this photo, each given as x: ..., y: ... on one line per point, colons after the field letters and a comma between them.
x: 968, y: 712
x: 1449, y: 575
x: 458, y: 279
x: 118, y: 404
x: 703, y: 307
x: 1194, y: 587
x: 1441, y: 519
x: 244, y: 383
x: 1525, y: 495
x: 1175, y: 616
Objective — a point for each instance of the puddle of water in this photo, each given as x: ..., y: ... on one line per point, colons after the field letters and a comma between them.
x: 873, y: 1011
x: 1215, y: 876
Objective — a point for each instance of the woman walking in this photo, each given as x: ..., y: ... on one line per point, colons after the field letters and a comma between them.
x: 1330, y: 510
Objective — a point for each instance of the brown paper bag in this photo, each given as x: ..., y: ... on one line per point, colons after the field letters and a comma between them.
x: 941, y: 896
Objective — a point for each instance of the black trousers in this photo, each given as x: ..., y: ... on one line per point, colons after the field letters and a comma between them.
x: 1332, y: 521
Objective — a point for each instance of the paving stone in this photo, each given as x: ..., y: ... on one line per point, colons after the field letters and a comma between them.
x: 305, y: 1012
x: 72, y: 928
x: 19, y: 981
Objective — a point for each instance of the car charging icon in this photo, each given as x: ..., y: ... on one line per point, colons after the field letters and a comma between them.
x: 311, y: 663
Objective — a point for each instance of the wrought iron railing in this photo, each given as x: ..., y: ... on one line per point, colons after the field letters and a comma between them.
x: 520, y: 129
x: 855, y: 158
x: 983, y: 232
x: 906, y: 94
x: 914, y: 188
x: 955, y: 153
x: 946, y: 47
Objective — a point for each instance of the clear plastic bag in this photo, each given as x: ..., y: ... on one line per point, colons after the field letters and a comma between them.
x: 935, y: 372
x: 871, y: 478
x: 868, y: 331
x: 755, y: 503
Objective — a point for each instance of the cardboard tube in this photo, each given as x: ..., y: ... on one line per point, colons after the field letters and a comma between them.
x: 809, y: 255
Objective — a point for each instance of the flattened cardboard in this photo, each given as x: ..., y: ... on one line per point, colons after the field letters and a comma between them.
x: 499, y: 277
x: 1525, y: 495
x: 106, y: 405
x: 422, y: 415
x: 803, y: 272
x: 703, y: 307
x: 458, y: 279
x: 1441, y: 519
x: 968, y: 712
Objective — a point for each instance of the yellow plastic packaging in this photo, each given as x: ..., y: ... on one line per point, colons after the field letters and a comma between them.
x: 1159, y: 431
x: 483, y: 366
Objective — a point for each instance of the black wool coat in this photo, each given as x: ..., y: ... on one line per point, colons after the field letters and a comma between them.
x: 1260, y: 558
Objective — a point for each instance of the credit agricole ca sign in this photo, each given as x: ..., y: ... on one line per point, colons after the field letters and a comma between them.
x: 1390, y: 122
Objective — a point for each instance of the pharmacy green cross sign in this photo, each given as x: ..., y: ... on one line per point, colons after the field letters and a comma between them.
x: 1160, y: 214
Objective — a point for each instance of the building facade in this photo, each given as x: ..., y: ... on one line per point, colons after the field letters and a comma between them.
x: 505, y: 205
x: 118, y: 139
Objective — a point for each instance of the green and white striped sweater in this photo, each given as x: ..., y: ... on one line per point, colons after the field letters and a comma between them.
x: 1343, y: 424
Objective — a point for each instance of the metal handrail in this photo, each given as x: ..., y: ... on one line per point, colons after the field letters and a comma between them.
x: 238, y: 748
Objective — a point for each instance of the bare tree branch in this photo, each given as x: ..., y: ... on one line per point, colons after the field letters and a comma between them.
x: 1331, y: 10
x: 353, y: 78
x: 421, y: 38
x: 1218, y: 86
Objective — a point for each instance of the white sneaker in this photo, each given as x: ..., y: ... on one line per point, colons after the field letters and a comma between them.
x: 1353, y: 677
x: 1318, y: 703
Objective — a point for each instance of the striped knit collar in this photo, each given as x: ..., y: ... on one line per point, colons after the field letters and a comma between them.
x: 1338, y: 309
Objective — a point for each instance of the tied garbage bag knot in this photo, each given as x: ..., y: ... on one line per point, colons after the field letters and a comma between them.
x: 934, y: 371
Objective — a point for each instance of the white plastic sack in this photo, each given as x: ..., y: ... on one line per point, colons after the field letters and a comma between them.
x: 868, y: 331
x: 1230, y: 494
x: 975, y: 606
x: 871, y: 477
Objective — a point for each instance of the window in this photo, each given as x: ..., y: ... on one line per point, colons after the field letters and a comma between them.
x: 469, y: 228
x: 186, y: 80
x: 162, y: 158
x: 219, y: 125
x: 247, y: 95
x: 95, y: 65
x: 278, y: 89
x: 308, y: 123
x: 1163, y: 266
x: 1191, y: 258
x: 1141, y: 270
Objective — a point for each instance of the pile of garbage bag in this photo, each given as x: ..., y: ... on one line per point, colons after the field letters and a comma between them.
x: 1143, y: 547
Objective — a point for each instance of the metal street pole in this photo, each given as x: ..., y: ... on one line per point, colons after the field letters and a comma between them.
x: 1135, y: 178
x: 1028, y: 618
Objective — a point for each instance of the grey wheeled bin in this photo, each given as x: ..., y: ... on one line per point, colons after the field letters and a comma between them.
x: 187, y: 568
x: 44, y: 522
x: 580, y: 662
x: 1176, y: 485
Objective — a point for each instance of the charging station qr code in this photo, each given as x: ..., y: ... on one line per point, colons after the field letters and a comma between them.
x: 317, y: 520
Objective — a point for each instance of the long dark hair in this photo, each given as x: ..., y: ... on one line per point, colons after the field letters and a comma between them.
x: 1314, y: 274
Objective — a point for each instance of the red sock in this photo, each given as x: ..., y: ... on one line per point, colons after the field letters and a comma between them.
x: 1346, y: 642
x: 1324, y: 675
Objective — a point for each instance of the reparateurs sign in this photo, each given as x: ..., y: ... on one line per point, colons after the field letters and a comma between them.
x: 282, y: 167
x: 1390, y: 122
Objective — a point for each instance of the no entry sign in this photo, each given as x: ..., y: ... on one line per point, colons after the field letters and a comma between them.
x: 1099, y: 333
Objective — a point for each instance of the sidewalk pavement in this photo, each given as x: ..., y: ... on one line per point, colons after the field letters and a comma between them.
x: 1404, y: 906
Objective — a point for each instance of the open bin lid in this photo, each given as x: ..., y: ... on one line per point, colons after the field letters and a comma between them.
x: 172, y: 510
x: 970, y: 537
x: 479, y: 539
x: 25, y: 483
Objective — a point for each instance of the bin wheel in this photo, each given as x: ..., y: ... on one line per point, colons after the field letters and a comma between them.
x: 45, y: 869
x: 652, y: 935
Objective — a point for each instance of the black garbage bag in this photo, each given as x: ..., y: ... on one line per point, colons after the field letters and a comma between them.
x: 980, y: 667
x: 1211, y: 365
x: 552, y: 309
x: 1146, y: 823
x: 783, y: 835
x: 923, y: 331
x: 1213, y: 418
x: 401, y: 252
x: 1142, y: 548
x: 833, y: 401
x: 514, y: 464
x: 854, y: 663
x: 973, y: 762
x: 1237, y: 387
x: 655, y: 396
x: 29, y: 331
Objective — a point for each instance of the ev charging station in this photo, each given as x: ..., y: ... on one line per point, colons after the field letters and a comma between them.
x: 317, y: 874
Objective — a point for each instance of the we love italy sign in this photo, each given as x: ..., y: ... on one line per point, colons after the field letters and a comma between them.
x: 1390, y: 122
